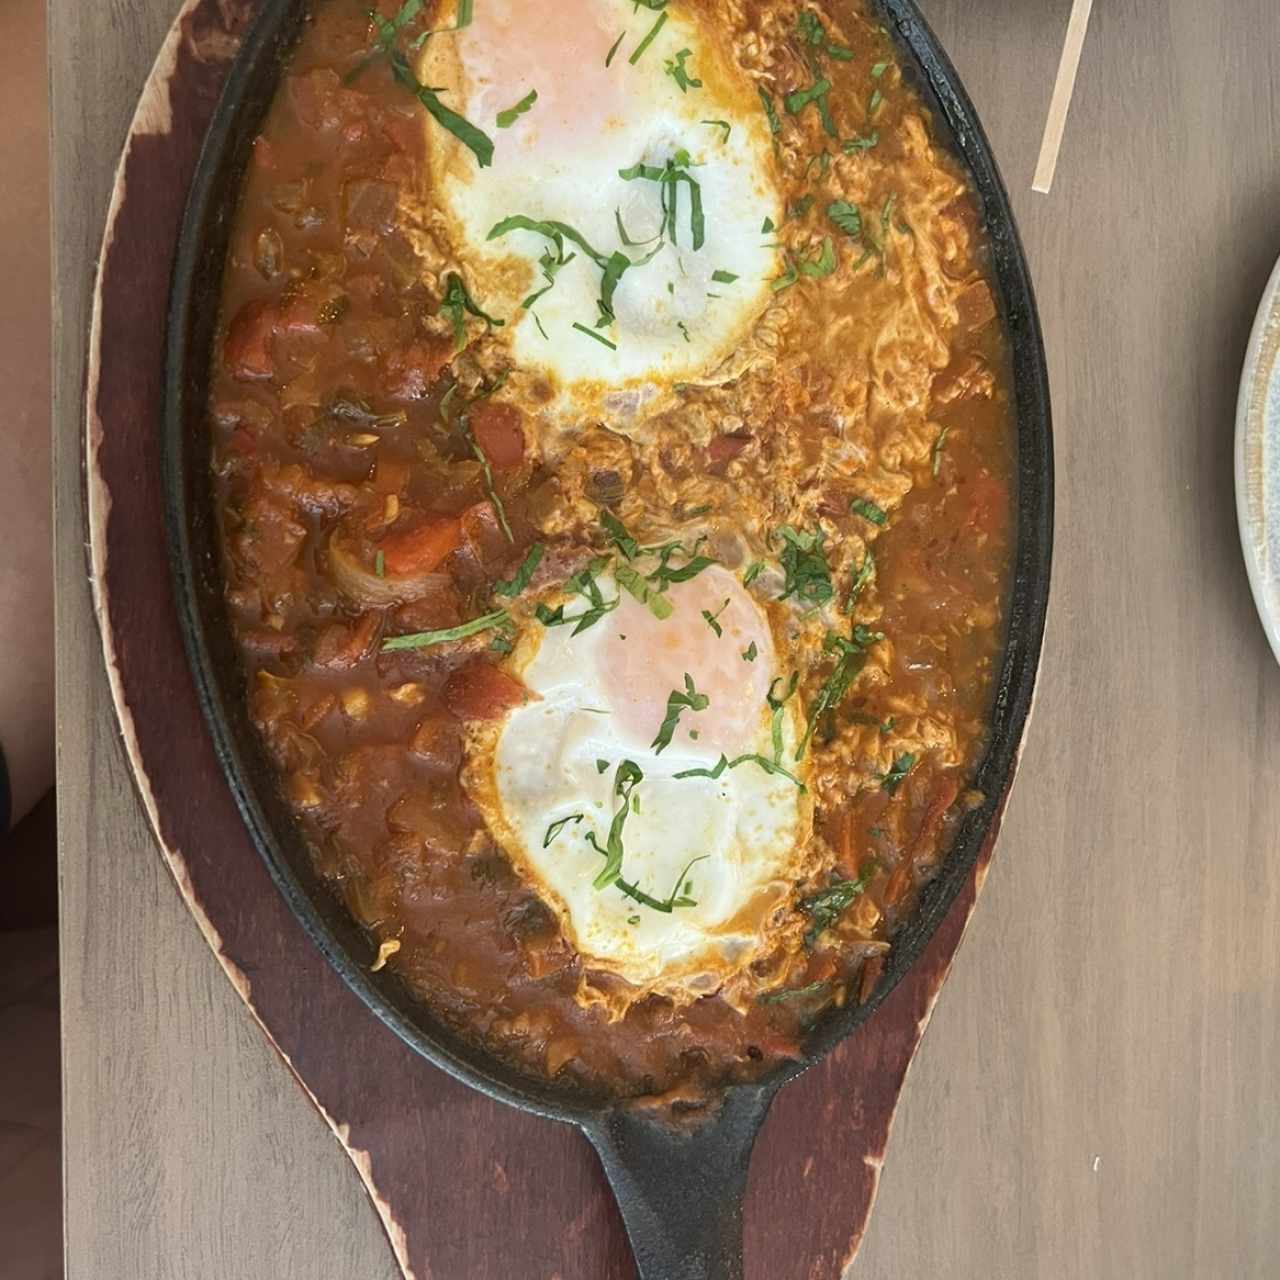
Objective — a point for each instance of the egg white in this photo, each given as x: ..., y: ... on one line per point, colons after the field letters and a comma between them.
x: 558, y: 756
x: 560, y: 161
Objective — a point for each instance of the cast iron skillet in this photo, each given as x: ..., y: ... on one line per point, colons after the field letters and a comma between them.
x: 680, y: 1193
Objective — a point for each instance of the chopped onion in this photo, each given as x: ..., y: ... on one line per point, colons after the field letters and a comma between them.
x: 364, y: 586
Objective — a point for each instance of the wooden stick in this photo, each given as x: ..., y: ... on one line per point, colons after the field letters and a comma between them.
x: 1063, y: 88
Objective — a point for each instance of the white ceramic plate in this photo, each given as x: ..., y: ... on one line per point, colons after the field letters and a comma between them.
x: 1258, y: 460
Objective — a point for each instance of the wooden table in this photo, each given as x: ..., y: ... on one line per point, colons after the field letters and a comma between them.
x: 1099, y: 1093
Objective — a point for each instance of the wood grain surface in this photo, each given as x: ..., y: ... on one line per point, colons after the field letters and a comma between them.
x: 1098, y: 1092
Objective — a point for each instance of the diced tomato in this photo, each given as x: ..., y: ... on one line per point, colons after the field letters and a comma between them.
x: 436, y: 743
x: 725, y: 448
x: 299, y: 313
x: 408, y: 372
x: 422, y: 548
x: 264, y: 155
x: 498, y: 431
x: 340, y: 647
x: 322, y: 101
x: 246, y: 351
x: 479, y: 691
x: 243, y: 442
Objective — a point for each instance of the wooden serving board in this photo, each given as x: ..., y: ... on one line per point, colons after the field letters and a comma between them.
x: 467, y: 1188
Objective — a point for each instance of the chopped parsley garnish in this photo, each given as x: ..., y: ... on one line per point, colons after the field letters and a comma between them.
x: 767, y: 226
x: 619, y: 536
x: 846, y: 216
x: 602, y: 766
x: 723, y: 277
x: 599, y: 337
x: 677, y: 702
x: 826, y: 906
x: 628, y: 240
x: 804, y: 564
x: 750, y: 652
x: 850, y: 145
x: 878, y: 70
x: 649, y: 39
x: 720, y: 124
x: 617, y: 44
x: 792, y: 993
x: 869, y: 510
x: 712, y: 619
x: 558, y: 826
x: 898, y: 771
x: 852, y: 657
x: 754, y: 570
x: 426, y: 639
x: 936, y: 451
x: 810, y: 30
x: 800, y: 207
x: 582, y: 583
x: 625, y: 781
x: 459, y: 304
x: 771, y: 112
x: 873, y: 103
x: 380, y: 564
x: 476, y: 140
x: 816, y: 94
x: 612, y: 265
x: 513, y: 586
x: 769, y: 766
x: 665, y: 574
x: 684, y: 330
x: 631, y: 581
x: 775, y: 706
x: 860, y: 579
x: 675, y: 68
x: 670, y: 176
x: 508, y: 117
x: 824, y: 264
x: 886, y: 215
x: 787, y: 278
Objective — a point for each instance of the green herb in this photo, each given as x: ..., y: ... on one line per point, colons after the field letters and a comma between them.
x: 625, y: 781
x: 869, y: 510
x: 476, y: 140
x: 631, y: 581
x: 770, y: 111
x: 626, y: 239
x: 723, y: 277
x: 670, y: 176
x: 678, y: 897
x: 380, y: 564
x: 825, y: 907
x: 810, y: 30
x: 807, y: 575
x: 846, y: 216
x: 787, y: 278
x: 558, y: 826
x: 677, y: 702
x: 754, y: 570
x: 513, y: 586
x: 792, y: 993
x: 712, y: 619
x: 873, y: 103
x: 901, y: 766
x: 508, y: 117
x: 608, y: 57
x: 886, y: 215
x: 824, y: 264
x: 633, y: 919
x: 816, y: 94
x: 776, y: 705
x: 611, y: 265
x: 591, y: 333
x: 582, y: 583
x: 618, y: 535
x: 426, y: 639
x: 852, y: 657
x: 769, y: 766
x: 675, y: 68
x: 541, y: 330
x: 878, y: 70
x: 861, y: 144
x: 749, y: 653
x: 936, y: 451
x: 767, y: 226
x: 648, y: 40
x: 486, y: 471
x: 602, y: 766
x: 665, y: 574
x: 720, y: 124
x: 684, y: 330
x: 861, y: 578
x: 459, y: 304
x: 822, y: 160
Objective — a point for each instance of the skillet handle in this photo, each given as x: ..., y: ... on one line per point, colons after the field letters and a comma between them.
x: 681, y: 1193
